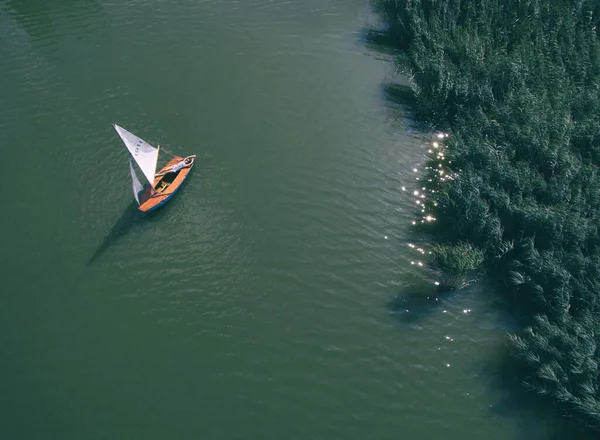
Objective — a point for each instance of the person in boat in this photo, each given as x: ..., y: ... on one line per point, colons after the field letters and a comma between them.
x: 179, y: 165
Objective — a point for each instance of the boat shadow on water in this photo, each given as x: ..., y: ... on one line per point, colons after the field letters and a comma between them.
x: 127, y: 222
x: 131, y: 219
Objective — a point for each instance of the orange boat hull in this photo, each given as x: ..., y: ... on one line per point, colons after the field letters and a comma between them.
x: 165, y: 186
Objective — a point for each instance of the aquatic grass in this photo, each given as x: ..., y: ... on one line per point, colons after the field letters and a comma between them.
x: 516, y: 84
x: 453, y: 263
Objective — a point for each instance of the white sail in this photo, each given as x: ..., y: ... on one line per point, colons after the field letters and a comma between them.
x: 137, y: 186
x: 145, y: 155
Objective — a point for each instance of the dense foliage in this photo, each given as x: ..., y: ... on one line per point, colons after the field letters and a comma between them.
x: 453, y: 263
x: 517, y: 84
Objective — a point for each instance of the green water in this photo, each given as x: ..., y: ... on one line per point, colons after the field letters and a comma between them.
x: 274, y: 296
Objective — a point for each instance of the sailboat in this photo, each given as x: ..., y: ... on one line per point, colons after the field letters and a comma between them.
x: 162, y: 185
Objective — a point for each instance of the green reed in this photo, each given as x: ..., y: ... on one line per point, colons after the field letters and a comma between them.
x: 517, y: 86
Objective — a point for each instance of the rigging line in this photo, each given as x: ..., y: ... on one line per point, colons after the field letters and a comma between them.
x: 166, y: 151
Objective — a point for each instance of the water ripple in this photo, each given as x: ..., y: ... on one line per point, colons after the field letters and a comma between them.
x: 273, y: 297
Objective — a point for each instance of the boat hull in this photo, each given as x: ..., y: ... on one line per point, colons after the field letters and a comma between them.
x: 165, y: 185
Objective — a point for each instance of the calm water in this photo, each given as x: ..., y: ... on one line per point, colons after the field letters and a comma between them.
x: 273, y: 297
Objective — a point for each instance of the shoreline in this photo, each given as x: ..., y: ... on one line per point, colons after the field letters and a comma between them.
x: 515, y: 87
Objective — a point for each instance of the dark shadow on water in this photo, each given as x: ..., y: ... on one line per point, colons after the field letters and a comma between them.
x: 538, y: 417
x: 400, y: 94
x: 132, y: 218
x: 378, y: 38
x: 129, y: 219
x: 414, y: 304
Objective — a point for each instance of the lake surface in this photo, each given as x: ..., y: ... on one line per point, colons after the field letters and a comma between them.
x: 274, y: 296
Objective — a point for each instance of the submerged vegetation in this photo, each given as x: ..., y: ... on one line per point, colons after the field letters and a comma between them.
x: 517, y: 85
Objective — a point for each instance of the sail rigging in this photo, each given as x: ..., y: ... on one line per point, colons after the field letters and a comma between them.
x: 144, y: 154
x: 168, y: 180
